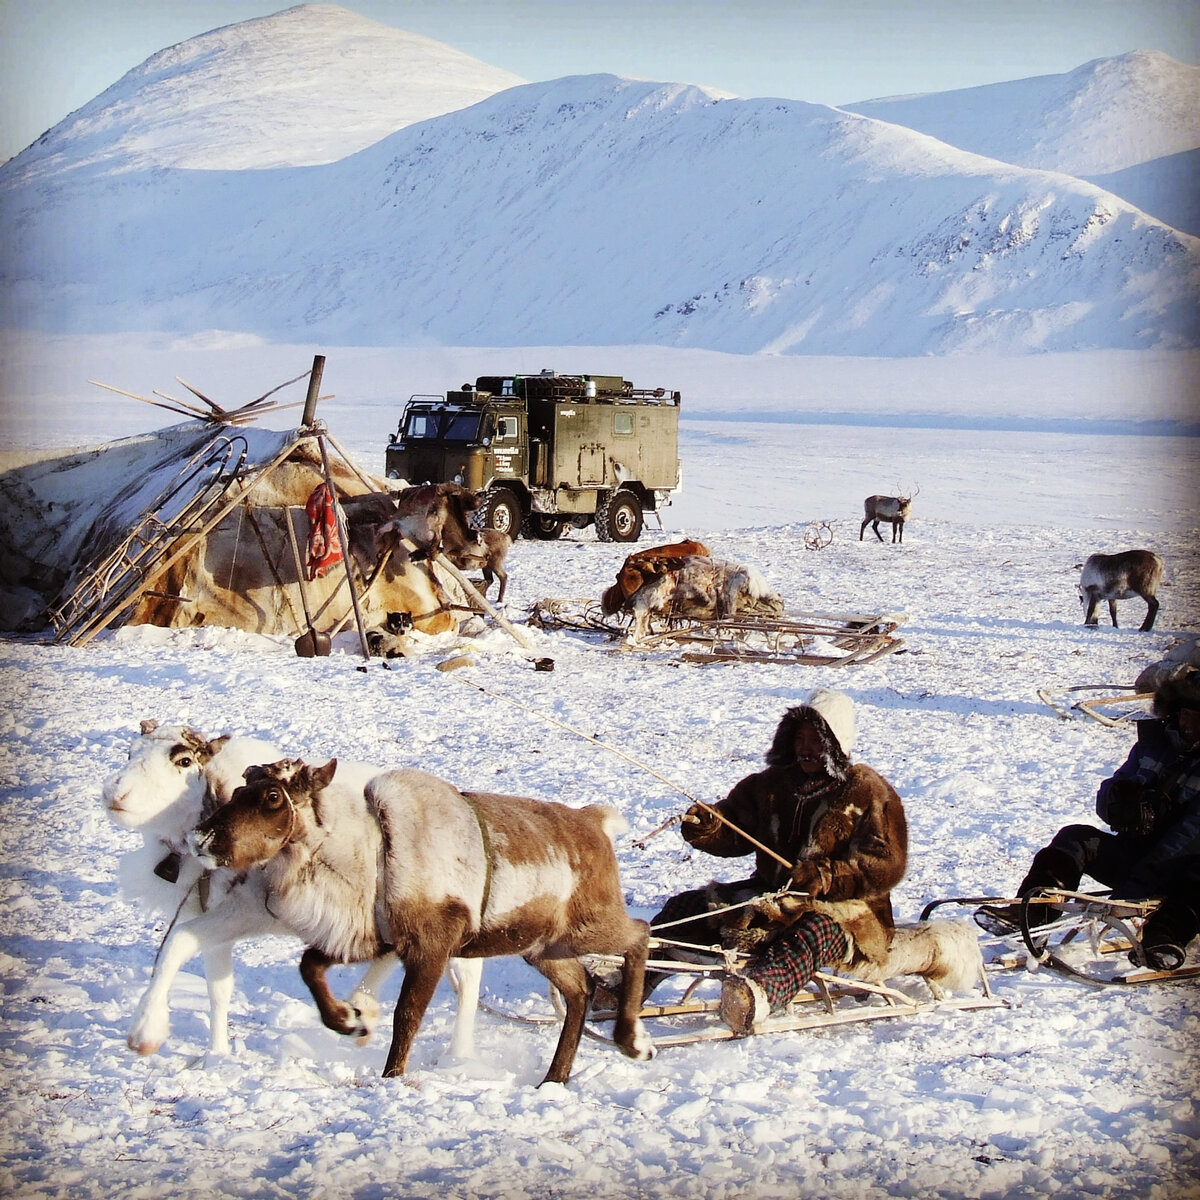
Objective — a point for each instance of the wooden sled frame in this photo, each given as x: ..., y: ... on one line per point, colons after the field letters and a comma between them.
x: 1107, y: 927
x: 848, y: 638
x: 1113, y: 695
x: 829, y: 1000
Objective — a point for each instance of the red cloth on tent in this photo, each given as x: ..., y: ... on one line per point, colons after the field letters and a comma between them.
x: 324, y: 545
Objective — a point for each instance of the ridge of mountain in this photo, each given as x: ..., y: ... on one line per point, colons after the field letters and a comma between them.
x: 600, y: 210
x: 1105, y: 116
x: 583, y: 210
x: 305, y: 86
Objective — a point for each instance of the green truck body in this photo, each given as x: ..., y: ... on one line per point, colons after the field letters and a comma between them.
x: 544, y: 451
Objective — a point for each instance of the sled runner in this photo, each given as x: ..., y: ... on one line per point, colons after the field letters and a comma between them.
x: 1091, y: 937
x: 812, y: 639
x: 1123, y: 704
x: 828, y: 1001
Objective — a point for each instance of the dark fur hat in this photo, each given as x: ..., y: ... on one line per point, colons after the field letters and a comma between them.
x: 1179, y: 689
x: 783, y: 746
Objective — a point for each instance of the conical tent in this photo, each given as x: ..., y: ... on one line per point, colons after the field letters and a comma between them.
x: 189, y: 526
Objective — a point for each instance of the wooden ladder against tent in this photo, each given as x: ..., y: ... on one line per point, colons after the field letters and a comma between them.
x: 188, y: 508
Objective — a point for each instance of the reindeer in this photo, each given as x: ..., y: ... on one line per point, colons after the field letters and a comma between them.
x: 176, y: 775
x: 484, y: 548
x: 893, y: 509
x: 419, y: 868
x: 1114, y: 577
x: 436, y: 519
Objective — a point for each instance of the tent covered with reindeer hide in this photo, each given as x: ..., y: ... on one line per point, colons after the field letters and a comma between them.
x: 189, y: 526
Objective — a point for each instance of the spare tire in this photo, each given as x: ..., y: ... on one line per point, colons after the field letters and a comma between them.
x: 545, y: 527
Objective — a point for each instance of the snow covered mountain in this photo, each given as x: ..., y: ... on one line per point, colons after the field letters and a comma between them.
x: 308, y: 85
x: 1129, y: 124
x: 587, y: 210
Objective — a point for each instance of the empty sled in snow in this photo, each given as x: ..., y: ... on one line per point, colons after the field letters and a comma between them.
x: 1090, y: 937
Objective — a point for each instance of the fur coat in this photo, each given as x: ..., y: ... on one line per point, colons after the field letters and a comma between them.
x: 845, y: 831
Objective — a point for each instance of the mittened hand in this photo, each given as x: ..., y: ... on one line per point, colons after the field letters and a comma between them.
x: 1134, y: 814
x: 1129, y: 809
x: 700, y: 821
x: 806, y: 878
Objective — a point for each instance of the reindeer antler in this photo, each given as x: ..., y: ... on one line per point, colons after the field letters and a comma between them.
x: 818, y: 535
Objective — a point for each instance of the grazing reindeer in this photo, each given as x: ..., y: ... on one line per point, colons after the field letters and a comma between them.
x: 419, y: 868
x: 893, y: 509
x: 1114, y: 577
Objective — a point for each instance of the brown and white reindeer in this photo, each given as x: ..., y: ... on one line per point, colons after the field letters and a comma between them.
x: 892, y: 509
x: 646, y: 564
x: 1114, y: 577
x: 485, y: 549
x: 175, y: 776
x: 419, y: 868
x: 699, y: 587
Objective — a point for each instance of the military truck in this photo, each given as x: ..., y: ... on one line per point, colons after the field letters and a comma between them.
x: 546, y: 451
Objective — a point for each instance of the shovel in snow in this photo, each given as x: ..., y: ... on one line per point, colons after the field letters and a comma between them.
x: 311, y: 644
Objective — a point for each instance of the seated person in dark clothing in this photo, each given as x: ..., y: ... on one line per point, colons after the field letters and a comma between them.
x: 1152, y: 804
x: 838, y: 827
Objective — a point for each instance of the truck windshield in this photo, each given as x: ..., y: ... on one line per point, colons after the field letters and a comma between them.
x: 449, y: 425
x: 461, y: 426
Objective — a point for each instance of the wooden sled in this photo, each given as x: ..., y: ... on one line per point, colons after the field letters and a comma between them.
x: 812, y: 639
x: 1124, y: 704
x: 830, y: 1000
x: 1092, y: 938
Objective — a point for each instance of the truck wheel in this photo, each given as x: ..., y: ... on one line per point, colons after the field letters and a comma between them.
x: 619, y: 518
x: 502, y: 512
x: 543, y: 527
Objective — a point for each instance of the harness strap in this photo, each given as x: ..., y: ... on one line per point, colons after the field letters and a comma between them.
x: 488, y: 853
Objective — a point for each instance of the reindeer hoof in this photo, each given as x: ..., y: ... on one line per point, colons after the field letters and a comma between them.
x: 144, y: 1045
x: 639, y: 1047
x: 147, y: 1036
x: 365, y: 1009
x: 352, y: 1022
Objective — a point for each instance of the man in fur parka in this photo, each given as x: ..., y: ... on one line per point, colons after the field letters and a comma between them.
x: 1152, y: 805
x: 841, y: 828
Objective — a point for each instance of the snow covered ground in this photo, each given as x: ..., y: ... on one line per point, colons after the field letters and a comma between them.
x: 1071, y: 1091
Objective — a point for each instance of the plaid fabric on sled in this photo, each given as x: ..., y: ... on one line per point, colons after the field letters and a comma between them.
x: 786, y: 964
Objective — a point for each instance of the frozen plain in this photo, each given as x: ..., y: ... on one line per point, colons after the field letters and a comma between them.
x: 1069, y: 1092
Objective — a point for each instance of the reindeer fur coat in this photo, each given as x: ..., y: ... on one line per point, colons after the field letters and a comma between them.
x: 846, y: 832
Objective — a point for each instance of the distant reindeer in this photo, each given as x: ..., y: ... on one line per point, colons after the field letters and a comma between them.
x: 893, y: 509
x: 1114, y: 577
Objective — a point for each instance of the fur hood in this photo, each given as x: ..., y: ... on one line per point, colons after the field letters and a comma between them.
x: 832, y: 715
x: 1179, y: 689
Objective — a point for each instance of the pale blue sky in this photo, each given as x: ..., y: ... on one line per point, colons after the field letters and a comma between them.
x: 55, y: 55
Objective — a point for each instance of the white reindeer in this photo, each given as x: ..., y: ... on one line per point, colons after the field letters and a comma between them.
x: 174, y: 777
